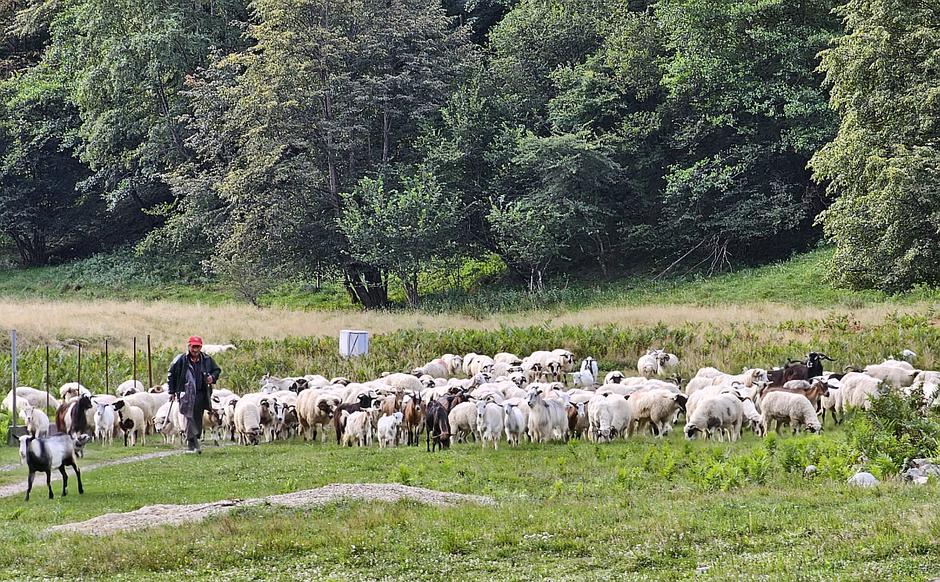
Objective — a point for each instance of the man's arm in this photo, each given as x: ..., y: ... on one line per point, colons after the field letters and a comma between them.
x: 214, y: 370
x: 172, y: 375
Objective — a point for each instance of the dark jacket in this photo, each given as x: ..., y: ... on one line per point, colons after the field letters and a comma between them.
x: 176, y: 380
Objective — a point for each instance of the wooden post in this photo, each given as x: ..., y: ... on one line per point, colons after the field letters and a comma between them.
x: 135, y: 362
x: 149, y: 365
x: 47, y: 376
x: 107, y: 372
x: 13, y: 377
x: 79, y: 363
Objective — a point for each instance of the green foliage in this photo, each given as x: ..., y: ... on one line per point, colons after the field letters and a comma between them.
x: 882, y: 165
x: 400, y: 229
x: 895, y: 430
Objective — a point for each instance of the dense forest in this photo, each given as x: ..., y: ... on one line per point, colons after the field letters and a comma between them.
x: 366, y: 140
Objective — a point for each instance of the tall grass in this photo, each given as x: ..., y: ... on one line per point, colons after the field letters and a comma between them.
x: 726, y: 345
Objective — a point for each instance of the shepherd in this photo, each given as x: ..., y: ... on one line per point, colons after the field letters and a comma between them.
x: 190, y: 379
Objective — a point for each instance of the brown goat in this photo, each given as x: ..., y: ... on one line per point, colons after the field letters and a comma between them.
x: 414, y: 411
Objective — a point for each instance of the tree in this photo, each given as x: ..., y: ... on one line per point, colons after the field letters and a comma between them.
x: 883, y: 164
x: 333, y: 90
x: 400, y: 229
x: 748, y: 113
x: 41, y: 210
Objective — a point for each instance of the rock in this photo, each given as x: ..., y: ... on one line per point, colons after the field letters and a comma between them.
x: 919, y: 462
x: 701, y: 570
x: 912, y: 474
x: 863, y: 479
x: 931, y: 469
x: 809, y: 472
x: 921, y: 480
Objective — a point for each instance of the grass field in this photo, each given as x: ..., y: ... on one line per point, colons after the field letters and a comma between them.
x: 631, y: 510
x: 642, y: 509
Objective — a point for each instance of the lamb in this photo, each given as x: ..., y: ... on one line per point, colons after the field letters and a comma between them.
x: 489, y: 422
x: 547, y: 418
x: 132, y: 421
x: 104, y: 422
x: 722, y: 411
x: 26, y: 395
x: 583, y: 379
x: 453, y: 362
x: 164, y: 422
x: 389, y: 427
x: 752, y: 417
x: 37, y: 423
x: 55, y: 452
x: 577, y: 418
x: 358, y: 429
x: 793, y: 409
x: 514, y: 423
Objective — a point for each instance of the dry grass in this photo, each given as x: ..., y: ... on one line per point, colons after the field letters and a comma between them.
x: 170, y: 323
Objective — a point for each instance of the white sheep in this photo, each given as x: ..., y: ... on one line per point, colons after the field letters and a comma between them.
x: 128, y: 387
x: 453, y: 362
x: 858, y: 390
x: 657, y: 407
x: 213, y: 349
x: 26, y: 395
x: 463, y: 421
x: 164, y: 422
x: 583, y: 379
x: 786, y: 407
x: 435, y: 368
x: 248, y: 421
x: 722, y: 412
x: 132, y: 421
x: 608, y: 417
x: 71, y: 390
x: 489, y: 422
x: 648, y: 365
x: 389, y: 426
x: 613, y: 377
x: 894, y: 376
x: 507, y: 358
x: 514, y: 423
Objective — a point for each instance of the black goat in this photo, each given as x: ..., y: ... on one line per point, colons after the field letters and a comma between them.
x: 55, y: 452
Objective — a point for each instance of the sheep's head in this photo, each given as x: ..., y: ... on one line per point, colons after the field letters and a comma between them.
x: 615, y: 377
x: 690, y: 430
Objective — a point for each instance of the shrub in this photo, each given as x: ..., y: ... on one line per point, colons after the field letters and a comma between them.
x: 895, y: 430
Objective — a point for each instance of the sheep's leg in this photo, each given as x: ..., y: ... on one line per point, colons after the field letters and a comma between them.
x: 65, y: 480
x: 49, y: 483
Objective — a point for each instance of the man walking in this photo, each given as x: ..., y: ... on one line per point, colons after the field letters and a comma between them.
x: 190, y: 379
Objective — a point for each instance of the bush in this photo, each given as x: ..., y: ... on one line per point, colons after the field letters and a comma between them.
x: 896, y: 429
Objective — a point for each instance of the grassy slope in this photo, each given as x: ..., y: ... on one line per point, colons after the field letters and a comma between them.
x: 801, y: 280
x: 631, y: 510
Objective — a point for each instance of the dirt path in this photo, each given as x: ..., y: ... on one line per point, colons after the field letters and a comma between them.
x: 176, y: 514
x: 15, y: 488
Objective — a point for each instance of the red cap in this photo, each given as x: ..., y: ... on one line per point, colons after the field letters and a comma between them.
x: 195, y: 340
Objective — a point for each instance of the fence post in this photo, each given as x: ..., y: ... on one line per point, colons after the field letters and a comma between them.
x: 149, y: 365
x: 135, y: 362
x: 107, y: 374
x: 79, y: 363
x: 47, y: 376
x: 13, y: 378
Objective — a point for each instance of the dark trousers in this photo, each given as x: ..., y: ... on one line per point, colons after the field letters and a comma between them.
x: 194, y: 422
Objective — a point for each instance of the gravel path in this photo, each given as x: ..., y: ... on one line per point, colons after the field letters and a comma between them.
x: 176, y: 514
x: 15, y: 488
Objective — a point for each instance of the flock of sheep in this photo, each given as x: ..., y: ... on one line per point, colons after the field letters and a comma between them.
x: 539, y: 398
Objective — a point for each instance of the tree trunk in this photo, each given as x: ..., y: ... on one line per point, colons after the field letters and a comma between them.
x: 31, y: 248
x: 365, y: 286
x: 410, y: 282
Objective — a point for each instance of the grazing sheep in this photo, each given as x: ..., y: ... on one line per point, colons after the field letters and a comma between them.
x: 55, y: 452
x: 435, y: 368
x: 37, y: 423
x: 793, y: 409
x: 489, y: 422
x: 507, y: 358
x: 463, y: 421
x: 752, y: 417
x: 389, y: 427
x: 895, y: 376
x: 26, y: 395
x: 722, y: 412
x: 655, y: 407
x: 248, y: 421
x: 609, y: 416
